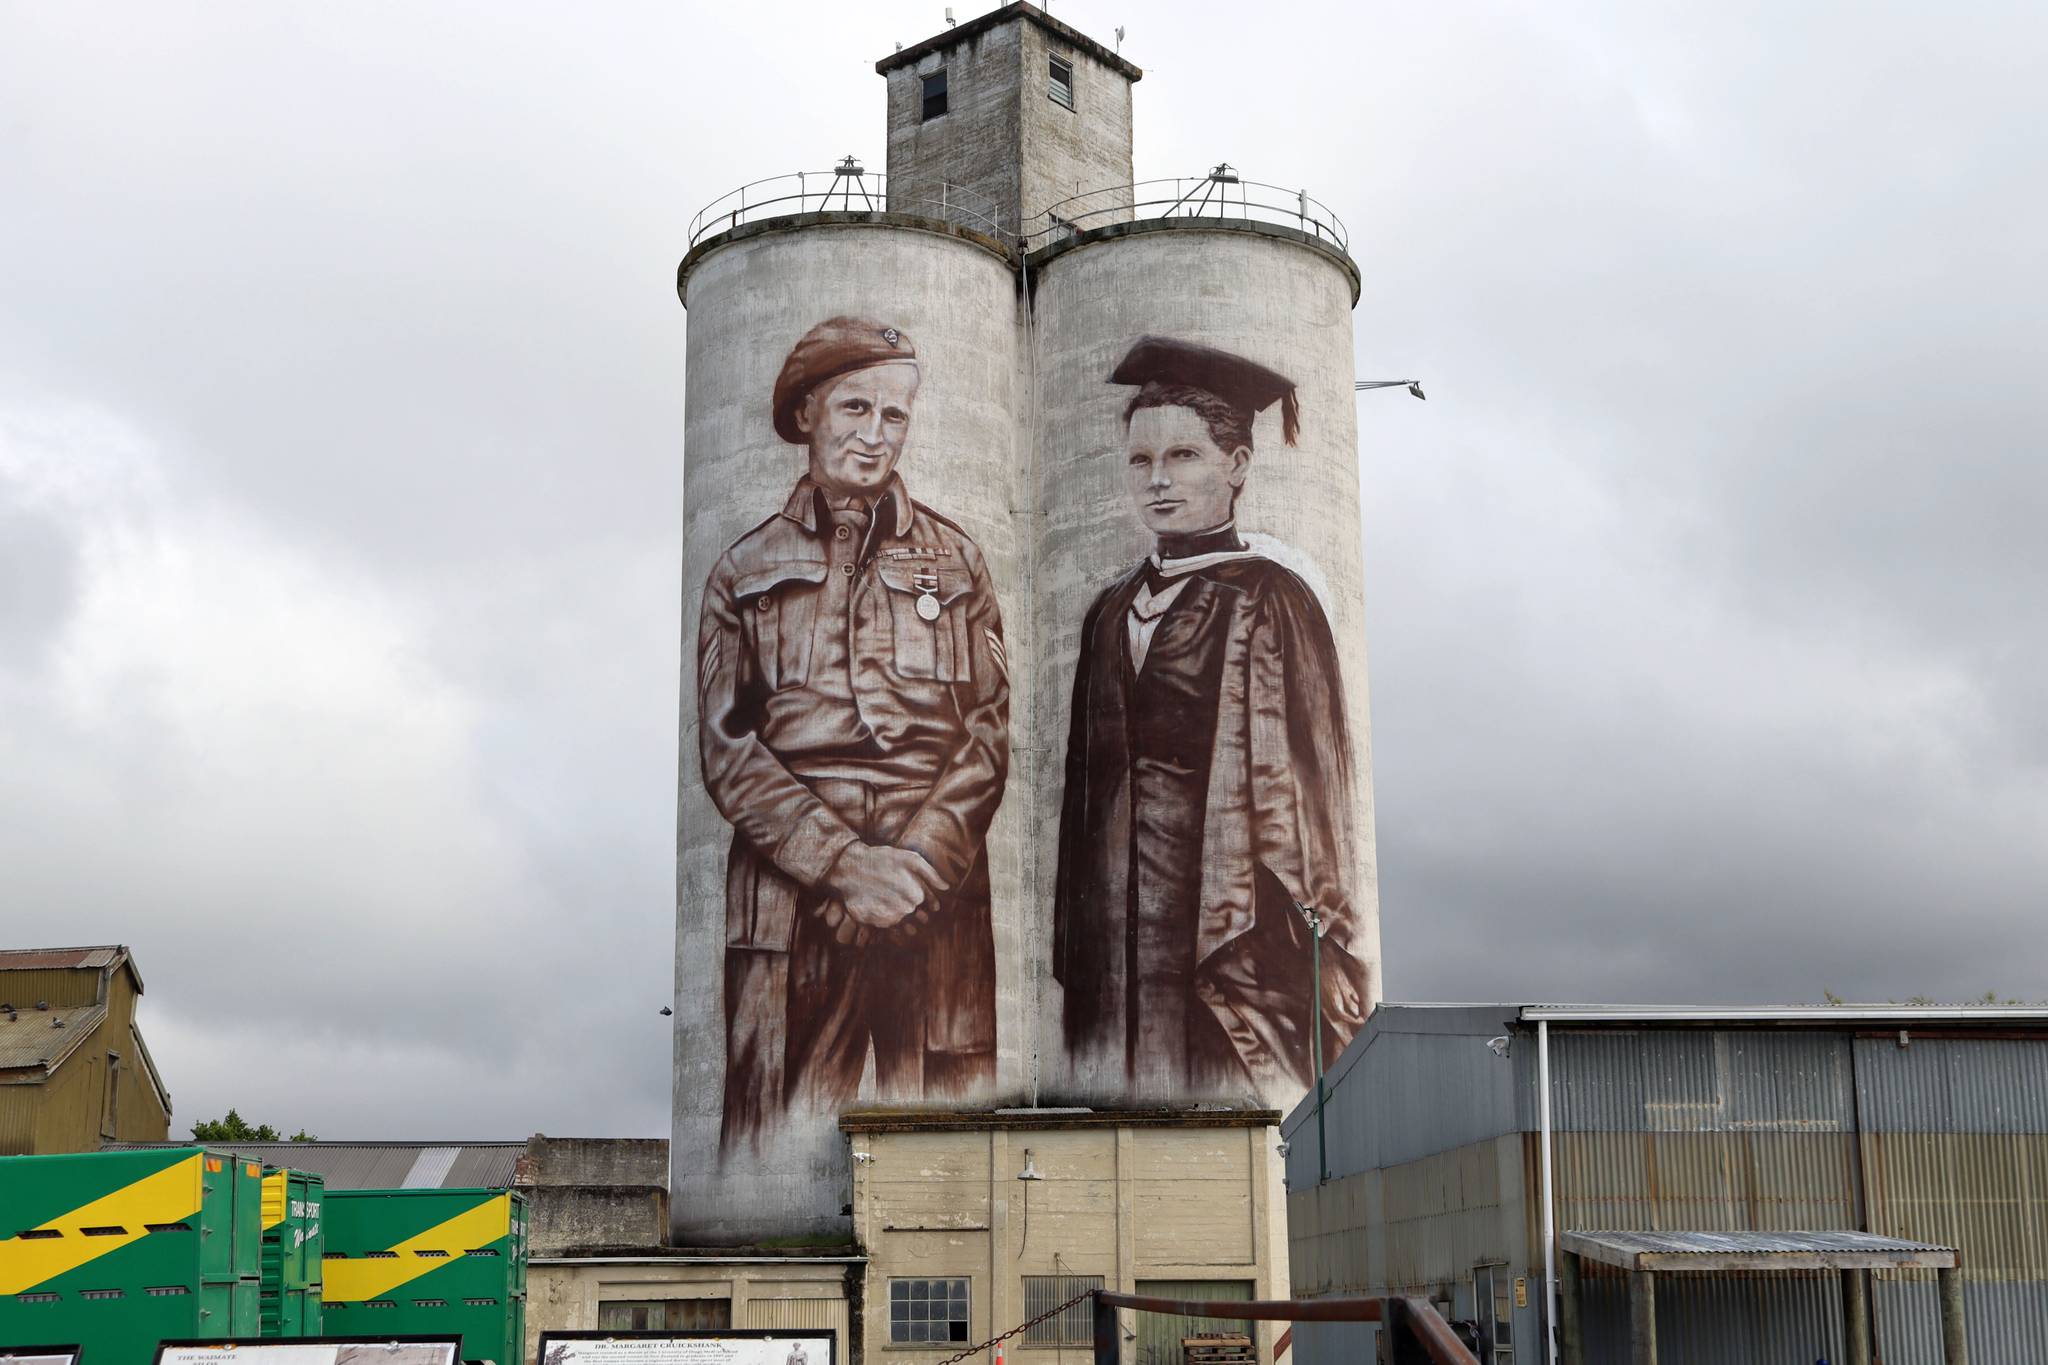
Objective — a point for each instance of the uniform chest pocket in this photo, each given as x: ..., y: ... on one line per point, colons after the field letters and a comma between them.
x: 777, y: 608
x: 927, y: 604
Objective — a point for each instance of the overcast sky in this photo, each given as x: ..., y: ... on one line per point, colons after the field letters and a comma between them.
x: 341, y: 477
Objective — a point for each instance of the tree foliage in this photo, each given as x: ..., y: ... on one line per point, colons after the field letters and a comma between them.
x: 232, y: 1127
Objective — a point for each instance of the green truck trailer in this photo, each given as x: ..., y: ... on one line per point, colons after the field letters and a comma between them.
x: 292, y: 1245
x: 427, y: 1263
x: 117, y: 1251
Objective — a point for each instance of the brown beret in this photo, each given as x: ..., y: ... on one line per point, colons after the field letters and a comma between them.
x: 834, y: 347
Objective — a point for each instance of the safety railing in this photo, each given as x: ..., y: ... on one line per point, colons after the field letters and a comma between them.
x: 1416, y: 1334
x: 848, y: 187
x: 1222, y: 193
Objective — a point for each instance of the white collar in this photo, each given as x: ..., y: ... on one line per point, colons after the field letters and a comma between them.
x: 1173, y: 568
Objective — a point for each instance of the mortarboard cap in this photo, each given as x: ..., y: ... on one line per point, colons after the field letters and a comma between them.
x: 1244, y: 384
x: 834, y: 347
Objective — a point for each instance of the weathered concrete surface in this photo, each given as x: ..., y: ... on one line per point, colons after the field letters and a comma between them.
x: 810, y: 1293
x: 1274, y: 300
x: 1003, y: 136
x: 966, y: 457
x: 1062, y: 151
x: 595, y: 1192
x: 553, y: 1161
x: 1135, y: 1203
x: 974, y: 143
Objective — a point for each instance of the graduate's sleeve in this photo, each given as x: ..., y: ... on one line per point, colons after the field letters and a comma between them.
x: 1067, y: 897
x: 1303, y: 810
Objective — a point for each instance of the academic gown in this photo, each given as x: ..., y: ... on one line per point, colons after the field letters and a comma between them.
x: 1208, y: 791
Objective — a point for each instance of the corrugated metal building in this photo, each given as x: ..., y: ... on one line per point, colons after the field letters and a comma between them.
x: 1925, y: 1123
x: 388, y: 1165
x: 74, y: 1073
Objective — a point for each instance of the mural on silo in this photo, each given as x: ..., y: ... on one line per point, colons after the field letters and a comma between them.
x: 1209, y: 772
x: 853, y: 702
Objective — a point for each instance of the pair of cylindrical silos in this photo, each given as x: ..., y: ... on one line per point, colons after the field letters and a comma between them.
x: 1017, y: 438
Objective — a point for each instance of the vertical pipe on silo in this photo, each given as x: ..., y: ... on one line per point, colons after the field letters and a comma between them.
x: 1549, y: 1206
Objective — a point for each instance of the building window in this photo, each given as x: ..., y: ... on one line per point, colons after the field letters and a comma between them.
x: 664, y: 1315
x: 935, y: 93
x: 1073, y: 1327
x: 927, y: 1310
x: 110, y: 1105
x: 1062, y: 87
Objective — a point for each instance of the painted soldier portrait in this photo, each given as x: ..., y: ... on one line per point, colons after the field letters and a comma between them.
x: 1208, y: 785
x: 853, y: 707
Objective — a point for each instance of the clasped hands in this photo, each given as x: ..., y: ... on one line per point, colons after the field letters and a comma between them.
x: 876, y: 887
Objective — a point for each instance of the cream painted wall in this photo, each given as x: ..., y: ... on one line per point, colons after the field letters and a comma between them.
x: 1127, y: 1202
x: 563, y: 1296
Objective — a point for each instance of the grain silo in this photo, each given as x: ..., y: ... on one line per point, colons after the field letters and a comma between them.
x: 1024, y: 729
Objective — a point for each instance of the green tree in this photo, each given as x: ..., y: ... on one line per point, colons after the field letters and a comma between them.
x: 232, y: 1127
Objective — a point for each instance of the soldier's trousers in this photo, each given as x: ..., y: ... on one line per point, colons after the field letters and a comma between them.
x: 924, y: 1002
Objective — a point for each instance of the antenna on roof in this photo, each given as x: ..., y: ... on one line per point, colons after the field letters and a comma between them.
x: 949, y: 16
x: 1119, y: 39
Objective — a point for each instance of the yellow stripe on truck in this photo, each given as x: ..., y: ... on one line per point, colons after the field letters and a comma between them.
x: 352, y: 1279
x: 172, y: 1195
x: 274, y: 1200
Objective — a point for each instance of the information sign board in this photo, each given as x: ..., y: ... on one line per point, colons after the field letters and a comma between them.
x: 687, y: 1348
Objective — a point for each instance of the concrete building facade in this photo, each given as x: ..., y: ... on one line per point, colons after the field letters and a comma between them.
x: 1002, y: 1216
x: 1050, y: 374
x: 75, y: 1074
x: 1017, y: 156
x: 1922, y: 1124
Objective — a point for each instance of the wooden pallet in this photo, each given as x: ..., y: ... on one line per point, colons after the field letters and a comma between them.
x: 1219, y: 1348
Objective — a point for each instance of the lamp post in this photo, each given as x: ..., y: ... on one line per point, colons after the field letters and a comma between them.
x: 1316, y: 923
x: 1413, y: 386
x: 1315, y: 1037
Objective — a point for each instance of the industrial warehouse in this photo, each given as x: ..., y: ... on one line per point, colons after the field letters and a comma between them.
x: 1840, y: 1182
x: 1028, y: 989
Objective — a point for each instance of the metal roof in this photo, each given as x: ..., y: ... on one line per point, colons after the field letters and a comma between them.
x: 1783, y: 1014
x: 1828, y: 1250
x: 387, y: 1165
x: 972, y: 28
x: 1845, y: 1013
x: 27, y: 959
x: 32, y: 1038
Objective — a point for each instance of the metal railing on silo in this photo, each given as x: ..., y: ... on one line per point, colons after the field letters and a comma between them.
x: 1220, y: 194
x: 848, y: 187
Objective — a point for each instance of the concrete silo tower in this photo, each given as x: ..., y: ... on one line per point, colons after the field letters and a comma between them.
x: 1024, y: 706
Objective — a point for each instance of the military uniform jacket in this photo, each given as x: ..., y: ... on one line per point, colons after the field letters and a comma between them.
x: 921, y: 702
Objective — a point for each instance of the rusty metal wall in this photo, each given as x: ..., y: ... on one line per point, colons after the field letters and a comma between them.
x: 1711, y: 1130
x: 1725, y: 1320
x: 54, y: 985
x: 18, y: 1108
x: 1942, y: 1140
x: 1659, y: 1127
x: 1955, y: 1150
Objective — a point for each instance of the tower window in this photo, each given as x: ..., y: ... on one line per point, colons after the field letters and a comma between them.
x: 1062, y: 87
x: 935, y: 93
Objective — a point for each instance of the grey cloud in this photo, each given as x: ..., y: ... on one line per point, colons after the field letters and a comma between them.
x: 1701, y: 594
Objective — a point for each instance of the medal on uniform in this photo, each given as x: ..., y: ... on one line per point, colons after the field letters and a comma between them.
x: 927, y: 583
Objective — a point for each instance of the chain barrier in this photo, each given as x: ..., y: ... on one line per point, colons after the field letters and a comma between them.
x: 1020, y: 1327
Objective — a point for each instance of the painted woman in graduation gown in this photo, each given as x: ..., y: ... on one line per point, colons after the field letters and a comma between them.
x: 1208, y: 775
